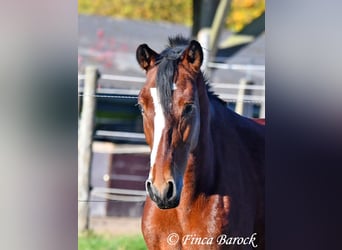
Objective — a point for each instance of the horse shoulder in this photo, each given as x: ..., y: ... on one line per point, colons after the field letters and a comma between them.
x: 209, y: 215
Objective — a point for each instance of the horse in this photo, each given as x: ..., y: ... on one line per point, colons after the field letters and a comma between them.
x: 205, y: 188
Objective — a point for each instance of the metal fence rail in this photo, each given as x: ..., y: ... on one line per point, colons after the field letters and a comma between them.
x: 230, y: 97
x: 116, y: 194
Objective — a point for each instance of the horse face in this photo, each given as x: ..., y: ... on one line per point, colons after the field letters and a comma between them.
x: 172, y: 127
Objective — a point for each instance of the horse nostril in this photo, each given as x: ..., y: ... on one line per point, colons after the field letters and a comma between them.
x: 148, y: 185
x: 171, y: 192
x: 168, y: 194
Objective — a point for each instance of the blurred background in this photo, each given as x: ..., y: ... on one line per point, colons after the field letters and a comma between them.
x: 39, y: 125
x: 113, y: 155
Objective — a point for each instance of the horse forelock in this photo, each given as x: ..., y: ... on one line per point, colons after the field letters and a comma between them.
x: 167, y: 62
x: 178, y: 40
x: 165, y: 76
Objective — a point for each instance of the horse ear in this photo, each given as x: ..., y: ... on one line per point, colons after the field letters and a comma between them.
x: 194, y: 55
x: 146, y: 57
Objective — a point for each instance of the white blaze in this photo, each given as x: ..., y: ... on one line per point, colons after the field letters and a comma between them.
x: 159, y: 124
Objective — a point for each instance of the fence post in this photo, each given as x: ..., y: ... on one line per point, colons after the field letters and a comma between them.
x: 204, y: 39
x: 240, y: 96
x: 78, y: 96
x: 85, y: 135
x: 248, y: 107
x: 262, y: 106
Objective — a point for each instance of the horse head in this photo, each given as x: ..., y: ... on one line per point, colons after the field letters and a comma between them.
x: 169, y: 103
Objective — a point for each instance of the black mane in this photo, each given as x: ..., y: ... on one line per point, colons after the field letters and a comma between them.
x: 178, y: 41
x: 167, y: 70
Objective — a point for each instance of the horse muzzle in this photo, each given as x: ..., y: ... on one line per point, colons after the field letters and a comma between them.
x: 165, y: 197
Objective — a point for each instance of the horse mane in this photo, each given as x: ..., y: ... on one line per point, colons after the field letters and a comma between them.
x: 167, y: 62
x: 211, y: 94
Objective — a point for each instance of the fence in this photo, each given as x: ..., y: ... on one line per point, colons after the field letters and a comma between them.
x: 238, y: 93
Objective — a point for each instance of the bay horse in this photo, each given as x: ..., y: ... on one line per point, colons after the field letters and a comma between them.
x: 206, y: 179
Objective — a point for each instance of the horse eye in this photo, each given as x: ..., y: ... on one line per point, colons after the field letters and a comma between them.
x: 188, y: 109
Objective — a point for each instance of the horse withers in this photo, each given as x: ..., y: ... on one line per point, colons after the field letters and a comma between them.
x: 206, y: 181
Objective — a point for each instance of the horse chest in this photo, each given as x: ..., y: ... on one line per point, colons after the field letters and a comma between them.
x: 193, y: 225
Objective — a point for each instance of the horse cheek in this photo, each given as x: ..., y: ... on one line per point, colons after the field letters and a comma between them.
x: 148, y: 131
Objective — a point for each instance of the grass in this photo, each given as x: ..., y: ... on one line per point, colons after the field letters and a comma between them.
x: 92, y: 241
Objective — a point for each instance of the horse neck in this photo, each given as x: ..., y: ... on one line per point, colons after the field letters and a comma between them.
x: 200, y: 170
x: 205, y: 163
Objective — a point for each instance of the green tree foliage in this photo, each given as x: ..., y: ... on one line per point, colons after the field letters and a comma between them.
x: 175, y: 11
